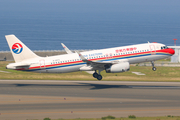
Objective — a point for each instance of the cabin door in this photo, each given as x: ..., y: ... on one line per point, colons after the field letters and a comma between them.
x: 42, y: 64
x: 152, y: 49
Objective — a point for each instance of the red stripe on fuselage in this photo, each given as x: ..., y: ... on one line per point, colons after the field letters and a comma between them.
x: 168, y: 51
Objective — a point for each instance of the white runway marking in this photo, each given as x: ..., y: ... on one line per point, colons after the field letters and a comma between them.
x: 138, y: 73
x: 4, y: 71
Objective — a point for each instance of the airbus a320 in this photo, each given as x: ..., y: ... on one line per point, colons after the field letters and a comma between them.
x: 112, y: 60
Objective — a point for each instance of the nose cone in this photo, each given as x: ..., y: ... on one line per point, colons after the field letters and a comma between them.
x: 171, y: 51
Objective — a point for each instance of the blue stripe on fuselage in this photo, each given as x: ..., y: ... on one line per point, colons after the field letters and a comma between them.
x: 125, y: 57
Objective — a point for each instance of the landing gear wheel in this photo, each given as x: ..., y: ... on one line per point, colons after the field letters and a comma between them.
x: 154, y: 68
x: 95, y: 75
x: 99, y: 77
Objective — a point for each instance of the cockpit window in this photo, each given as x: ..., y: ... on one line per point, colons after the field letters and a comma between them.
x: 164, y: 47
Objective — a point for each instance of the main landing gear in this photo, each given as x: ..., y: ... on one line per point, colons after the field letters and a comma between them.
x: 98, y: 76
x: 153, y: 68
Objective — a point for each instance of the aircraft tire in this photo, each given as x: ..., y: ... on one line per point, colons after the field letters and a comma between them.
x: 95, y: 75
x: 99, y: 77
x: 154, y: 68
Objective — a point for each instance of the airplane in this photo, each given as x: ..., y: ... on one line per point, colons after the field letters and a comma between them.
x: 112, y: 60
x: 66, y: 49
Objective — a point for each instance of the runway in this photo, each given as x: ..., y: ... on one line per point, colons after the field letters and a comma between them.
x: 37, y: 99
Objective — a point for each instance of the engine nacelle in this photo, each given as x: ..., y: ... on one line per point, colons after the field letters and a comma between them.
x: 120, y: 67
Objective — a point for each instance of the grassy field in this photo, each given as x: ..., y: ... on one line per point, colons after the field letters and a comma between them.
x: 162, y: 74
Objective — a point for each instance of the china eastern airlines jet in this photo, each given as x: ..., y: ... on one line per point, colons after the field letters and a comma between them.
x: 112, y: 60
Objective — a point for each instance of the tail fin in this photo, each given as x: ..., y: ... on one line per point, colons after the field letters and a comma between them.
x: 19, y: 51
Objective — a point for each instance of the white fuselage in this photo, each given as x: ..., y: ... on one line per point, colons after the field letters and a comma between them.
x: 72, y: 62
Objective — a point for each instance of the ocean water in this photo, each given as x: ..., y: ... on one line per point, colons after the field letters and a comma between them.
x: 46, y: 29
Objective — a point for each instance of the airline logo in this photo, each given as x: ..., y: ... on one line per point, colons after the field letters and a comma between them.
x: 17, y: 48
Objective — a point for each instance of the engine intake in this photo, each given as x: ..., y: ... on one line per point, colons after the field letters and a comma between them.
x: 120, y: 67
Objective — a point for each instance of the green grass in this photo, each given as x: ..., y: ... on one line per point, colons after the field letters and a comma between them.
x: 162, y: 74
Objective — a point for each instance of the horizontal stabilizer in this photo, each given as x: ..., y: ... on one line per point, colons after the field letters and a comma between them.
x: 18, y: 65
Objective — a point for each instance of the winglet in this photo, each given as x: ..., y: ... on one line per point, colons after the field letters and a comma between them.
x: 82, y: 57
x: 66, y: 49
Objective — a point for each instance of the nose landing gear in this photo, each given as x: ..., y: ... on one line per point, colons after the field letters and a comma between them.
x: 153, y: 68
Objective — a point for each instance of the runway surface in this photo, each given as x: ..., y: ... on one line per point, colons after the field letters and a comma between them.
x: 37, y: 99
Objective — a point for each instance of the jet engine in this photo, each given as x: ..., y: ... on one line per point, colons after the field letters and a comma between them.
x: 120, y: 67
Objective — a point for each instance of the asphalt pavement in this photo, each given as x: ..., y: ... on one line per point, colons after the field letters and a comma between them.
x: 37, y: 99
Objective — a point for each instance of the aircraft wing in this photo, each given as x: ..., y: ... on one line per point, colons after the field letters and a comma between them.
x: 94, y: 65
x: 83, y: 58
x: 66, y: 49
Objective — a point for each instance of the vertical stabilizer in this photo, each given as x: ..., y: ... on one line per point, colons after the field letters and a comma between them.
x: 19, y: 50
